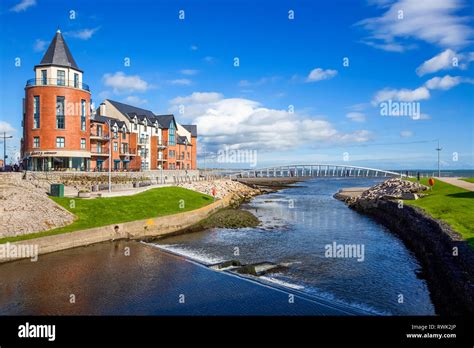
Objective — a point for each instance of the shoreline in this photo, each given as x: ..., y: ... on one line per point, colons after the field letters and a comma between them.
x: 448, y: 275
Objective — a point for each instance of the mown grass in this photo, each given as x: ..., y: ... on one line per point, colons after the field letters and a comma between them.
x: 106, y: 211
x: 451, y: 204
x: 469, y: 180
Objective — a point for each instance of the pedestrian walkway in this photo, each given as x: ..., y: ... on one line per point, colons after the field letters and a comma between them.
x: 459, y: 183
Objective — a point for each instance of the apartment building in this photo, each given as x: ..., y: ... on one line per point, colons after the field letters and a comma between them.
x: 161, y: 142
x: 62, y: 132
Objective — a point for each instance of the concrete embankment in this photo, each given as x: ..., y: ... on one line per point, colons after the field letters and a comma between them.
x: 141, y: 229
x: 447, y: 259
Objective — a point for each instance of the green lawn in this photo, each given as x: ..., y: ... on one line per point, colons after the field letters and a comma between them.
x: 106, y: 211
x: 451, y: 204
x: 469, y: 180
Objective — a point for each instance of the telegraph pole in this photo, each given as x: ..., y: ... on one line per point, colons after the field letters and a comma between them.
x: 439, y: 151
x: 5, y: 148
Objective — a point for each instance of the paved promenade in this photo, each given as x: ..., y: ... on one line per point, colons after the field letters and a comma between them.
x: 459, y: 183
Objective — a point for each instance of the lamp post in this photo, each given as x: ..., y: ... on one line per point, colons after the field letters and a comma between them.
x: 5, y: 137
x: 439, y: 151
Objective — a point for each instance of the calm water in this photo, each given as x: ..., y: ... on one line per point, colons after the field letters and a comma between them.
x: 297, y: 224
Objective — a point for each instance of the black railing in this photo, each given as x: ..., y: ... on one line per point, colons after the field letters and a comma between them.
x: 58, y: 82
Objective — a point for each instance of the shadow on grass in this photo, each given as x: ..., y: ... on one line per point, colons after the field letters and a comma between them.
x: 461, y: 195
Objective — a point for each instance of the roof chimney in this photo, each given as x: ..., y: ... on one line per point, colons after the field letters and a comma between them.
x: 102, y: 109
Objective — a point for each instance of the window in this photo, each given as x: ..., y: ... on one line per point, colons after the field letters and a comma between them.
x: 182, y: 155
x: 144, y: 128
x: 99, y: 130
x: 99, y: 147
x: 60, y: 142
x: 171, y: 134
x: 36, y: 142
x: 171, y: 153
x: 135, y: 125
x: 61, y: 78
x: 187, y: 154
x: 124, y: 135
x: 44, y: 77
x: 83, y: 114
x: 60, y: 121
x: 76, y: 80
x: 36, y: 112
x: 83, y: 143
x: 115, y: 146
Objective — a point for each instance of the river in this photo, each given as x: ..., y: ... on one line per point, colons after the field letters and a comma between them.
x: 297, y: 226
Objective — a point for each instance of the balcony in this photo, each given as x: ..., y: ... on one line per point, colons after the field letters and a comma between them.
x: 162, y: 144
x: 143, y: 141
x: 128, y: 152
x: 101, y: 136
x: 58, y: 82
x: 100, y: 152
x: 162, y: 157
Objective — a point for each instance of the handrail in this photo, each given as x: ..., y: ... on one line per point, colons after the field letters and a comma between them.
x: 58, y: 82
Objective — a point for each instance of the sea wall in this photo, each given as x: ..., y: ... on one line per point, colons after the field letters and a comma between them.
x: 140, y: 229
x: 447, y: 259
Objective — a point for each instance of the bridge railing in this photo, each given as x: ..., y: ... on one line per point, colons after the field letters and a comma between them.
x: 316, y: 170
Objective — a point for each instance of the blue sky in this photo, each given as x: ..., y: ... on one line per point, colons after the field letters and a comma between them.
x: 284, y: 64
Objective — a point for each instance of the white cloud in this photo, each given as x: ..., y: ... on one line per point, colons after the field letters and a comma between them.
x: 198, y: 98
x: 319, y: 74
x: 435, y: 22
x: 23, y: 5
x: 356, y: 116
x: 134, y: 100
x: 189, y: 72
x: 83, y: 34
x: 446, y: 60
x: 406, y: 134
x: 445, y: 83
x: 209, y: 59
x: 194, y: 48
x: 6, y: 127
x: 246, y: 124
x: 120, y: 82
x: 181, y: 82
x: 40, y: 45
x: 259, y: 82
x: 404, y: 95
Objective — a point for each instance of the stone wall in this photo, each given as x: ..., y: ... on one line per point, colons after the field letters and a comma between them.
x: 120, y: 180
x: 450, y: 277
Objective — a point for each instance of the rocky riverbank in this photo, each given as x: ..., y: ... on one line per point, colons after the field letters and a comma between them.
x: 447, y: 259
x: 222, y: 187
x: 25, y: 208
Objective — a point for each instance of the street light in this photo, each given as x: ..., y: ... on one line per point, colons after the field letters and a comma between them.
x: 5, y: 137
x: 439, y: 151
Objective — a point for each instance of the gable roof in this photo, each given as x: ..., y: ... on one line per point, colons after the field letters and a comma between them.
x: 58, y: 53
x: 130, y: 111
x: 191, y: 128
x: 165, y: 120
x: 183, y: 140
x: 105, y: 119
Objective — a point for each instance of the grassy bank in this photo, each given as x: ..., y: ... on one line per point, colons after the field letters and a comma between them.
x: 451, y: 204
x: 106, y: 211
x: 469, y: 180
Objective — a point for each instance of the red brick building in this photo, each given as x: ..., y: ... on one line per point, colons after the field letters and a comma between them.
x: 56, y: 113
x: 60, y: 131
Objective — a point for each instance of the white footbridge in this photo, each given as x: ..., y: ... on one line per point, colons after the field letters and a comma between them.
x: 314, y: 170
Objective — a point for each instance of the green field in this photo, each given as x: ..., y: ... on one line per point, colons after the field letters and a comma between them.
x: 106, y: 211
x: 451, y: 204
x: 469, y: 180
